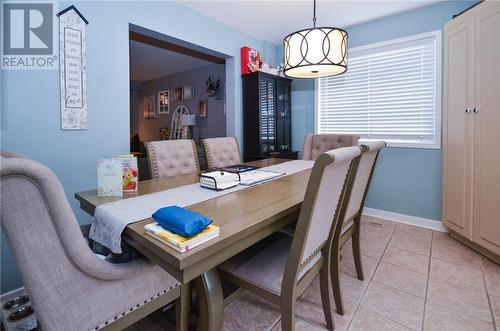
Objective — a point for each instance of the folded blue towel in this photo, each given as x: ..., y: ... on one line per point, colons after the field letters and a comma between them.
x: 185, y: 222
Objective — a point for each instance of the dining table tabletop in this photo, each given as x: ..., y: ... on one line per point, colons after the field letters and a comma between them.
x: 244, y: 217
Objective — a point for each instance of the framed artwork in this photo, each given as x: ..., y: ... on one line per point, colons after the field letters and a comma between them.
x: 164, y: 102
x: 177, y: 94
x: 202, y: 111
x: 187, y: 92
x: 148, y: 107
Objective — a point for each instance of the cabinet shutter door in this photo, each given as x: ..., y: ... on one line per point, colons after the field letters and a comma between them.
x: 267, y: 89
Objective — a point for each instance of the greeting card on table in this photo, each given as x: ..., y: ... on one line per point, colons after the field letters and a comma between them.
x: 109, y: 177
x: 130, y: 172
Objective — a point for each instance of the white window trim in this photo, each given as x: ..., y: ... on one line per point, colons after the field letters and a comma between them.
x: 439, y: 95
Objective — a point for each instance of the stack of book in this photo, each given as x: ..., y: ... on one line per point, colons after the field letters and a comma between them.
x: 178, y: 242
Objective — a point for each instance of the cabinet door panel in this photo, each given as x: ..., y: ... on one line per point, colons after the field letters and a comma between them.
x: 283, y: 117
x: 267, y: 91
x: 487, y: 130
x: 458, y: 129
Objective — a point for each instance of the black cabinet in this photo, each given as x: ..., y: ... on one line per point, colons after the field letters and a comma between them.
x: 267, y: 117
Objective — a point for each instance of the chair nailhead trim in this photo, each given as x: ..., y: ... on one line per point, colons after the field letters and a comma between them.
x: 195, y: 155
x: 132, y: 309
x: 153, y: 160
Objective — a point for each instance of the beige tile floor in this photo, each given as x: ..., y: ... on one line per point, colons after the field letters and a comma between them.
x: 415, y: 279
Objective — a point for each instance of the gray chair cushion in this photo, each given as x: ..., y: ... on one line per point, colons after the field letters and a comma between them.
x: 264, y: 263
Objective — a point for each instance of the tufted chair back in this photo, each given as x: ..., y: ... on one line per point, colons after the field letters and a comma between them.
x: 222, y: 152
x: 71, y: 288
x: 317, y: 144
x: 169, y: 158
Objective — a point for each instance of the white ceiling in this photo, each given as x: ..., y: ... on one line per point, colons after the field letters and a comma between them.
x: 274, y: 19
x: 149, y: 62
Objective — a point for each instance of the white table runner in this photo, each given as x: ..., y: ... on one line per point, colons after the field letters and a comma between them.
x: 111, y: 219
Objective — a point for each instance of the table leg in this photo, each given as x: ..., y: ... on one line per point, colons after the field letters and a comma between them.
x: 210, y: 300
x: 182, y: 306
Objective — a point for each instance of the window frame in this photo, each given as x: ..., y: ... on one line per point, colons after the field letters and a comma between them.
x: 392, y: 43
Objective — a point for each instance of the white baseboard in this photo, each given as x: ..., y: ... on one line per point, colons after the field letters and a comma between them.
x: 13, y: 293
x: 406, y: 219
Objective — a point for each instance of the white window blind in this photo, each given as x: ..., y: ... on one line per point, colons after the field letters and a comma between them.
x: 390, y: 92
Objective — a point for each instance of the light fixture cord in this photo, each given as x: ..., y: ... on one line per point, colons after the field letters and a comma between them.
x: 314, y: 15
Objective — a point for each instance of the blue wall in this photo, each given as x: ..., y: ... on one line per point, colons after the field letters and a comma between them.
x: 213, y: 125
x: 30, y: 99
x: 406, y: 180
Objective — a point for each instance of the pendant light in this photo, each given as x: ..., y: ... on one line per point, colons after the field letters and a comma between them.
x: 316, y: 52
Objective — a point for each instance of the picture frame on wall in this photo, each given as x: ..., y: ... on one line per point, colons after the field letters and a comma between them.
x: 148, y: 107
x: 164, y: 102
x: 202, y: 110
x: 177, y: 94
x: 187, y: 92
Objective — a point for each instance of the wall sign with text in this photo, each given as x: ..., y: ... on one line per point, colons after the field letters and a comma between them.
x: 72, y: 68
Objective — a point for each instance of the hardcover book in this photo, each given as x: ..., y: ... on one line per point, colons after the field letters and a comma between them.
x: 178, y: 242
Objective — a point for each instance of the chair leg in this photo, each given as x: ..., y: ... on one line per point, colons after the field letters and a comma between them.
x: 356, y: 249
x: 288, y: 315
x: 335, y: 278
x: 182, y: 305
x: 324, y: 285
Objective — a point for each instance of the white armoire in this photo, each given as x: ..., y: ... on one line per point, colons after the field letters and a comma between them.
x: 471, y: 128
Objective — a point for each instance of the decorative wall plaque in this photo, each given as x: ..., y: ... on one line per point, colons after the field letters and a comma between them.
x: 72, y: 69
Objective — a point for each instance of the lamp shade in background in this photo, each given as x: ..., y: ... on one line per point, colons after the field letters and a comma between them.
x: 188, y: 120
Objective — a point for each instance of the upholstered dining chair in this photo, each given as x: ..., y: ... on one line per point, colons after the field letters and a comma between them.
x: 316, y: 144
x: 71, y: 288
x: 169, y: 158
x: 9, y: 154
x: 221, y: 152
x: 280, y: 270
x: 350, y: 225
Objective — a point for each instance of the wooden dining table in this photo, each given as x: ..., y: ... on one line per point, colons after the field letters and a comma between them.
x: 245, y: 217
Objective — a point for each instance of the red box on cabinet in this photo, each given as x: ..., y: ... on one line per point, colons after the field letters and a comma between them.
x: 250, y: 60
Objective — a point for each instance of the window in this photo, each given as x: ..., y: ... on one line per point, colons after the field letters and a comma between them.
x: 391, y: 91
